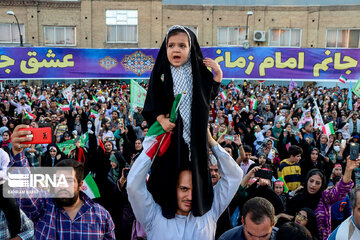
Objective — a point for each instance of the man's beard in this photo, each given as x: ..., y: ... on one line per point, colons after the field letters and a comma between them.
x: 66, y: 202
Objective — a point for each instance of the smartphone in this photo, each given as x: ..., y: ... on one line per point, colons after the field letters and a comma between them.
x: 264, y: 173
x: 229, y: 138
x: 257, y: 119
x: 126, y: 172
x: 40, y: 135
x: 354, y: 151
x: 343, y: 144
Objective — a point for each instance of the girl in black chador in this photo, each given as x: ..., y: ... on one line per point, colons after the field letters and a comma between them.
x: 181, y: 68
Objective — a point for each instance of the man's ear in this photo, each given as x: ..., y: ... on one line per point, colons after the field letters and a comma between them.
x: 80, y: 184
x: 242, y: 220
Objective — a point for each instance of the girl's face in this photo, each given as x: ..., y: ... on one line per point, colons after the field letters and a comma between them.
x: 4, y: 121
x: 314, y: 184
x: 178, y: 49
x: 278, y: 188
x: 323, y: 139
x: 338, y: 171
x: 314, y: 155
x: 288, y: 128
x: 278, y: 125
x: 67, y: 137
x: 301, y: 218
x: 268, y: 133
x: 262, y: 160
x: 6, y: 137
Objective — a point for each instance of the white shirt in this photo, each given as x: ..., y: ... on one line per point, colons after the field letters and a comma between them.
x: 148, y: 213
x: 346, y: 231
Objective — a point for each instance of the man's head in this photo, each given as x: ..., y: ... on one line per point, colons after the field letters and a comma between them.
x: 293, y: 231
x: 184, y: 193
x: 76, y: 181
x: 258, y: 219
x: 354, y: 116
x: 214, y: 170
x: 355, y: 204
x: 295, y: 153
x: 22, y: 101
x: 295, y: 120
x: 248, y: 152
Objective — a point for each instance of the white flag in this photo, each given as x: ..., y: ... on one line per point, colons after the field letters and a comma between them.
x: 318, y: 123
x: 68, y: 94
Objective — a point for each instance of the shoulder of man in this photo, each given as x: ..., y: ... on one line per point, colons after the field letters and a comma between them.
x: 235, y: 233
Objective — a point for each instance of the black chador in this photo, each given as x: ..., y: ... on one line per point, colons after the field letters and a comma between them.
x: 189, y: 143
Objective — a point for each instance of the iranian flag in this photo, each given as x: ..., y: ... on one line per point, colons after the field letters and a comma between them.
x: 223, y: 95
x: 94, y: 114
x: 90, y: 188
x: 64, y: 107
x: 253, y: 103
x: 95, y: 98
x: 328, y: 129
x: 342, y: 79
x: 157, y: 140
x: 29, y: 116
x: 238, y: 89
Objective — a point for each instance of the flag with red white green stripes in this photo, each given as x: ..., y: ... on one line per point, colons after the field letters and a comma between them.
x: 328, y: 129
x: 253, y: 103
x: 157, y: 140
x: 223, y: 95
x: 29, y: 116
x: 342, y: 79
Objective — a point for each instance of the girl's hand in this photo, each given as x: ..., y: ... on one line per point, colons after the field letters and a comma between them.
x: 215, y: 67
x: 167, y: 125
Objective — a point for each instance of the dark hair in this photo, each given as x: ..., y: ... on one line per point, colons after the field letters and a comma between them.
x: 7, y: 131
x: 76, y: 165
x: 62, y: 119
x: 247, y: 148
x: 258, y: 209
x: 307, y: 123
x: 293, y: 231
x: 295, y: 150
x: 176, y: 31
x: 353, y: 195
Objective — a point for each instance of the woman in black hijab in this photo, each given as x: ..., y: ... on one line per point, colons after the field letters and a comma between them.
x: 173, y: 74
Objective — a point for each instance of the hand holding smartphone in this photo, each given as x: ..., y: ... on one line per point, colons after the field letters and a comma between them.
x: 39, y: 135
x: 354, y: 151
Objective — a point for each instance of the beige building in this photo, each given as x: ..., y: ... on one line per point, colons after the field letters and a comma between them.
x: 143, y: 23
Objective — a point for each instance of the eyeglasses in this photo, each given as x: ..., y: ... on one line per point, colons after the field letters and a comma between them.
x: 301, y: 217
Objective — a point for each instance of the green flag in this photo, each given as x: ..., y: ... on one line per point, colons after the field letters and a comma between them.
x: 137, y: 94
x: 356, y: 88
x: 90, y: 188
x: 67, y: 146
x: 285, y: 186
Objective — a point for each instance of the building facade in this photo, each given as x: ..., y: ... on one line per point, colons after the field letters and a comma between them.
x: 144, y: 23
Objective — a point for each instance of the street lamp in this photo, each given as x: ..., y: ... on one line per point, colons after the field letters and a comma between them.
x: 246, y: 42
x: 11, y: 13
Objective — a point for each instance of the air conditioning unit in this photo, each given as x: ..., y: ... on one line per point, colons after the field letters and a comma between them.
x: 259, y: 36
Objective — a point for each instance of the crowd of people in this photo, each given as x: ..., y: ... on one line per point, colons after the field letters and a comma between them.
x: 310, y: 171
x: 244, y: 162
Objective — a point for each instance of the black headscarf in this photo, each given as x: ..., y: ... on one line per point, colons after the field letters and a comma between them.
x: 159, y: 100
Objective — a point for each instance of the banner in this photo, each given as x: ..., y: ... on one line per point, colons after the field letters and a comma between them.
x: 137, y: 94
x: 254, y: 63
x: 356, y: 88
x: 67, y: 146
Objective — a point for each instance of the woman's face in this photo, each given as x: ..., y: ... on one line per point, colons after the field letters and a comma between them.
x: 301, y: 218
x: 138, y: 145
x: 323, y: 139
x: 4, y: 121
x: 6, y: 137
x: 278, y: 124
x: 52, y: 152
x: 67, y: 137
x: 11, y: 125
x: 338, y: 171
x: 314, y: 184
x: 113, y: 165
x: 314, y: 155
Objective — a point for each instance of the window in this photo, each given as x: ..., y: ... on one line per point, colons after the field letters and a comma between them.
x: 343, y: 38
x: 60, y: 36
x: 231, y: 35
x: 9, y: 32
x: 285, y: 37
x: 121, y: 26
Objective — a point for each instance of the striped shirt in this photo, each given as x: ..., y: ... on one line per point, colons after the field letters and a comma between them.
x: 291, y: 172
